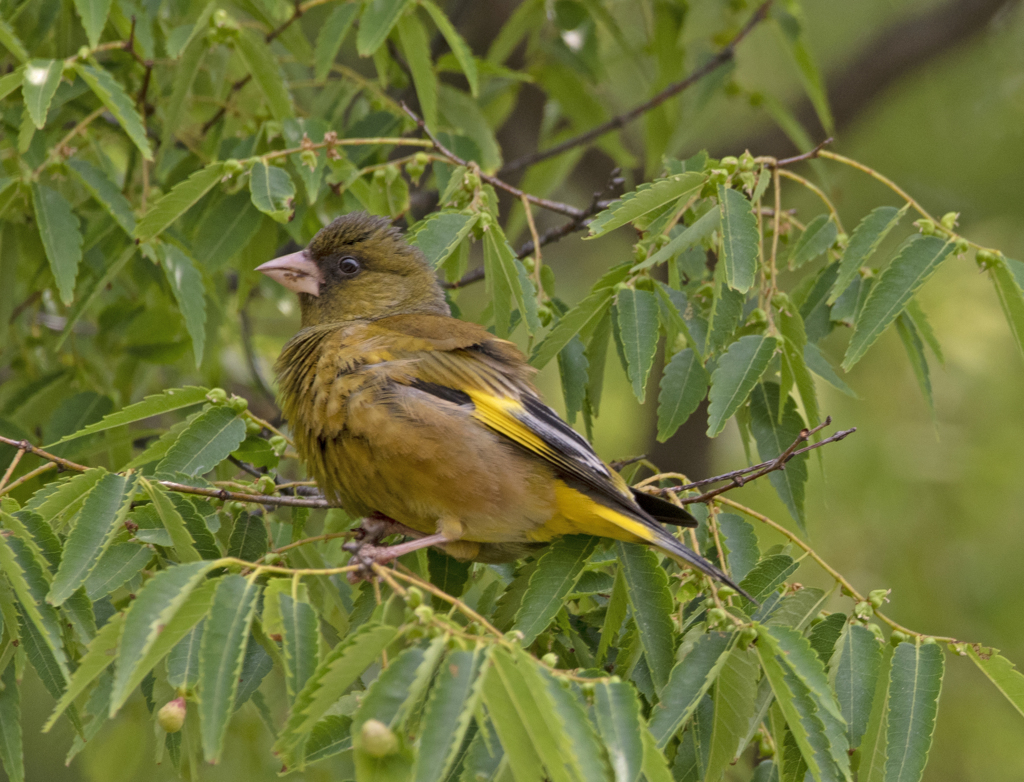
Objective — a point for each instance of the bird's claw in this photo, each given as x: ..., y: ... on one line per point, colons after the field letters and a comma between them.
x: 366, y: 556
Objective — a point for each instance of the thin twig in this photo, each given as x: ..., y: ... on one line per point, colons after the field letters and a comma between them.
x: 10, y: 469
x: 723, y: 56
x: 554, y: 206
x: 817, y: 191
x: 28, y: 476
x: 805, y: 156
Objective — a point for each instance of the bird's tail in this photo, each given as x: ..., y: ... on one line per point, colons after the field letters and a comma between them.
x: 687, y: 557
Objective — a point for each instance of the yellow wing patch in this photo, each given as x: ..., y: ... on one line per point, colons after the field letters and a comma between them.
x: 579, y: 514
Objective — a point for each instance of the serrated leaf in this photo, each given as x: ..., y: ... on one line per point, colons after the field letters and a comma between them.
x: 8, y: 84
x: 794, y: 365
x: 818, y: 236
x: 726, y: 312
x: 261, y: 62
x: 819, y: 365
x: 1001, y: 672
x: 453, y: 699
x: 332, y: 677
x: 331, y: 736
x: 248, y: 537
x: 118, y: 103
x: 105, y: 192
x: 739, y: 239
x: 651, y: 601
x: 379, y: 16
x: 572, y: 371
x: 182, y: 541
x: 205, y: 443
x: 183, y: 196
x: 187, y: 286
x: 618, y: 714
x: 455, y: 42
x: 873, y: 747
x: 506, y: 285
x: 226, y: 229
x: 62, y: 239
x: 416, y: 46
x: 40, y: 79
x: 332, y: 36
x: 9, y: 40
x: 916, y: 261
x: 740, y: 541
x: 93, y: 14
x: 99, y: 521
x: 183, y: 659
x: 558, y: 570
x: 299, y: 642
x: 768, y: 574
x: 735, y: 376
x: 689, y: 680
x: 1011, y: 298
x: 853, y: 673
x: 440, y: 233
x: 98, y: 657
x: 615, y: 613
x: 272, y: 191
x: 156, y: 404
x: 773, y: 437
x: 794, y: 36
x: 915, y: 682
x: 638, y: 328
x: 581, y: 317
x: 158, y: 618
x: 225, y: 636
x: 684, y: 385
x: 735, y: 698
x: 691, y: 236
x: 915, y: 353
x: 645, y: 199
x: 869, y: 233
x: 11, y: 752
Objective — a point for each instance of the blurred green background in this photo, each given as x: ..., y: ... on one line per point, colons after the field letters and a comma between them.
x: 929, y: 505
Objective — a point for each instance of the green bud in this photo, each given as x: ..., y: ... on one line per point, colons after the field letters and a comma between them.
x: 232, y: 166
x: 747, y: 636
x: 265, y: 485
x: 680, y: 343
x: 928, y: 641
x: 529, y: 263
x: 251, y: 427
x: 278, y: 443
x: 217, y: 396
x: 377, y: 740
x: 718, y: 176
x: 878, y: 597
x: 949, y: 220
x: 842, y: 240
x: 747, y: 161
x: 309, y: 159
x: 238, y: 403
x: 764, y: 748
x: 726, y: 591
x: 863, y: 610
x: 730, y: 163
x: 272, y: 558
x: 424, y: 613
x: 758, y: 317
x: 639, y: 253
x: 171, y: 716
x: 877, y: 632
x: 414, y: 597
x: 961, y: 246
x: 716, y: 617
x: 927, y: 227
x: 986, y: 259
x: 898, y: 637
x: 550, y: 659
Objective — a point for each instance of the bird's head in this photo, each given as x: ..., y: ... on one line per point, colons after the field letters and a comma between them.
x: 358, y: 268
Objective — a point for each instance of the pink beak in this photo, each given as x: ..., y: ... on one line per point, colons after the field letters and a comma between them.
x: 295, y: 272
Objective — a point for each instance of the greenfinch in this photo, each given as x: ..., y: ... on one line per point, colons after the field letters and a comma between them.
x: 403, y: 413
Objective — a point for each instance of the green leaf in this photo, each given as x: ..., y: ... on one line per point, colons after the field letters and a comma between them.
x: 187, y: 285
x: 794, y: 365
x: 453, y: 699
x: 739, y: 239
x: 97, y: 658
x: 773, y: 437
x: 173, y: 522
x: 183, y: 196
x: 166, y: 608
x: 40, y: 79
x: 651, y: 601
x: 118, y: 103
x: 915, y: 353
x: 1011, y: 298
x: 873, y: 748
x: 440, y: 233
x: 105, y: 192
x: 11, y: 753
x: 645, y: 199
x: 740, y: 541
x: 914, y: 685
x: 618, y: 603
x: 455, y: 42
x: 1001, y: 672
x: 864, y: 240
x: 261, y: 62
x: 62, y: 239
x: 226, y: 229
x: 416, y: 45
x: 735, y: 698
x: 272, y: 191
x: 299, y: 642
x: 9, y: 40
x: 205, y: 443
x: 793, y: 35
x: 818, y: 364
x: 581, y: 317
x: 693, y: 235
x: 505, y: 283
x: 332, y: 36
x: 618, y: 715
x: 332, y: 677
x: 331, y: 736
x: 853, y: 673
x: 638, y: 327
x: 768, y: 574
x: 225, y: 635
x: 118, y: 563
x: 818, y: 236
x: 735, y: 377
x: 689, y: 681
x: 684, y: 385
x: 157, y: 404
x: 447, y: 573
x: 916, y: 261
x: 93, y: 14
x: 248, y: 537
x: 9, y: 84
x: 572, y: 371
x: 100, y: 519
x: 379, y: 16
x: 183, y: 659
x: 727, y: 310
x: 558, y: 570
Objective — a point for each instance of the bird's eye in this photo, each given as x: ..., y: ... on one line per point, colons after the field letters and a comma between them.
x: 349, y: 267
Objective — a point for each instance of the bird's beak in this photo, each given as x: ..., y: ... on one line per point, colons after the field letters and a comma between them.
x: 295, y: 272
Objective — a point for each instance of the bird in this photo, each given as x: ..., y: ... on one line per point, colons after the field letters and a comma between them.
x: 431, y: 426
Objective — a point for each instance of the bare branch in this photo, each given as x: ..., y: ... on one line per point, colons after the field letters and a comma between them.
x: 723, y: 56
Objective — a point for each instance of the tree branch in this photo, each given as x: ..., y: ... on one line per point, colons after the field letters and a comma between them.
x: 723, y: 56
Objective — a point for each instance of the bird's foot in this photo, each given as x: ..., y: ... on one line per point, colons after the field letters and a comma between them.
x: 367, y: 555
